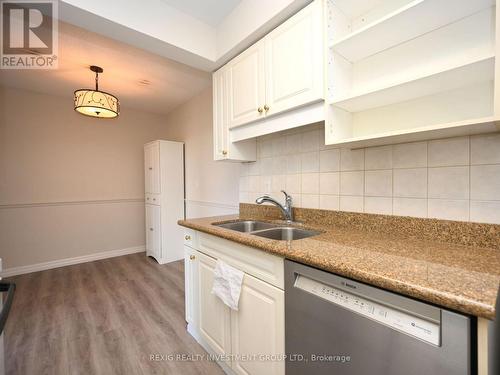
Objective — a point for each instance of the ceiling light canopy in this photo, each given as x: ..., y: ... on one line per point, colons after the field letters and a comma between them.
x: 96, y: 103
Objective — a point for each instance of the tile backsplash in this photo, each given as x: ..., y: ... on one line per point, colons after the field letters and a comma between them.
x: 453, y: 179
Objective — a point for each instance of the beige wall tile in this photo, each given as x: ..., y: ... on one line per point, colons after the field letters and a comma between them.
x: 329, y: 183
x: 485, y: 149
x: 485, y: 182
x: 485, y: 211
x: 310, y: 162
x: 266, y: 166
x: 279, y: 146
x: 310, y: 141
x: 448, y: 209
x: 244, y: 183
x: 253, y: 184
x: 352, y: 160
x: 410, y: 155
x: 352, y: 183
x: 329, y: 202
x: 294, y: 183
x: 415, y: 207
x: 329, y: 160
x: 410, y: 183
x: 351, y: 203
x: 278, y: 183
x: 378, y: 205
x: 378, y: 183
x: 266, y: 184
x: 293, y: 143
x: 280, y: 164
x: 253, y: 168
x: 449, y: 182
x: 265, y: 148
x: 293, y: 163
x: 310, y: 183
x: 310, y: 201
x: 378, y: 158
x: 449, y: 152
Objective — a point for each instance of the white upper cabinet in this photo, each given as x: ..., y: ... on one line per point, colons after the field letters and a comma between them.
x: 409, y: 70
x: 152, y: 168
x: 224, y: 148
x: 294, y: 61
x: 278, y: 75
x: 246, y: 93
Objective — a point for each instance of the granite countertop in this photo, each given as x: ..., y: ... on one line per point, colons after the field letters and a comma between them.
x: 455, y: 276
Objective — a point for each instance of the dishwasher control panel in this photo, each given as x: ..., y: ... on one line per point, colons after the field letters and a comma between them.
x: 396, y: 319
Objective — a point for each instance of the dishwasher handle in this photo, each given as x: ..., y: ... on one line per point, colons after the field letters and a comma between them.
x: 10, y: 289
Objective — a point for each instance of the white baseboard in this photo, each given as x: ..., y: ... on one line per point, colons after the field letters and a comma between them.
x: 69, y: 261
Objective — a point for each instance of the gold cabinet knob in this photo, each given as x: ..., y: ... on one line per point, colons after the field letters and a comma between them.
x: 224, y: 152
x: 187, y: 238
x: 260, y: 110
x: 266, y: 107
x: 192, y: 257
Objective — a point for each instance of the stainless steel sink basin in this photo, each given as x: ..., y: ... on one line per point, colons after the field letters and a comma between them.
x: 286, y: 233
x: 247, y: 226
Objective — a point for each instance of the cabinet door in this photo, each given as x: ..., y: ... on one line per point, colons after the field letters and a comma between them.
x: 213, y: 315
x: 246, y: 86
x: 294, y: 61
x: 220, y: 115
x: 190, y: 284
x: 148, y: 168
x: 152, y: 168
x: 224, y: 149
x: 258, y: 327
x: 153, y: 231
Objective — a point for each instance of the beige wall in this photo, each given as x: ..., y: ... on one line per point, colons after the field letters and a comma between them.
x: 211, y: 187
x: 69, y: 185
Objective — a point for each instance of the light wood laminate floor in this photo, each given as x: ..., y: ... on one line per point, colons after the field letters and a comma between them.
x: 103, y: 317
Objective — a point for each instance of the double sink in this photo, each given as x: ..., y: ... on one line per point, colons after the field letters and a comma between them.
x: 269, y: 230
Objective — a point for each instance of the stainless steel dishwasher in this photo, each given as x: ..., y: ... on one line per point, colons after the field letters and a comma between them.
x: 334, y: 325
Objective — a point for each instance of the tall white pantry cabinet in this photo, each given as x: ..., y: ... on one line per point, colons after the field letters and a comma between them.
x: 164, y: 197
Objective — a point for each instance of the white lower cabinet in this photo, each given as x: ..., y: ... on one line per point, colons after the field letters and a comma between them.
x: 190, y: 281
x: 213, y: 315
x: 252, y: 339
x: 258, y: 329
x: 153, y: 232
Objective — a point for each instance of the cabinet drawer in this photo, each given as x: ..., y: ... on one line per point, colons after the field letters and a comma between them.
x: 264, y: 266
x: 190, y: 237
x: 152, y: 198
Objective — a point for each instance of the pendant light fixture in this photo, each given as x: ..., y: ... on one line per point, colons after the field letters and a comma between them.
x: 96, y: 103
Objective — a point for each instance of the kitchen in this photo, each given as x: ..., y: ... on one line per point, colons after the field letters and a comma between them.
x: 279, y: 187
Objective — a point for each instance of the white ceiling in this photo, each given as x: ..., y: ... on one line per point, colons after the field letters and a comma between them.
x: 125, y: 67
x: 211, y: 12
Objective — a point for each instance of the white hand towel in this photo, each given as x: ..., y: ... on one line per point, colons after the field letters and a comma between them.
x: 227, y: 284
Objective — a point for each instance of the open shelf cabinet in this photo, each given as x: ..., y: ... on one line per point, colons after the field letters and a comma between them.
x: 400, y: 70
x: 410, y: 21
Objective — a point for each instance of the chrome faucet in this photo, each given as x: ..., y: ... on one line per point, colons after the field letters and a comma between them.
x: 287, y: 209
